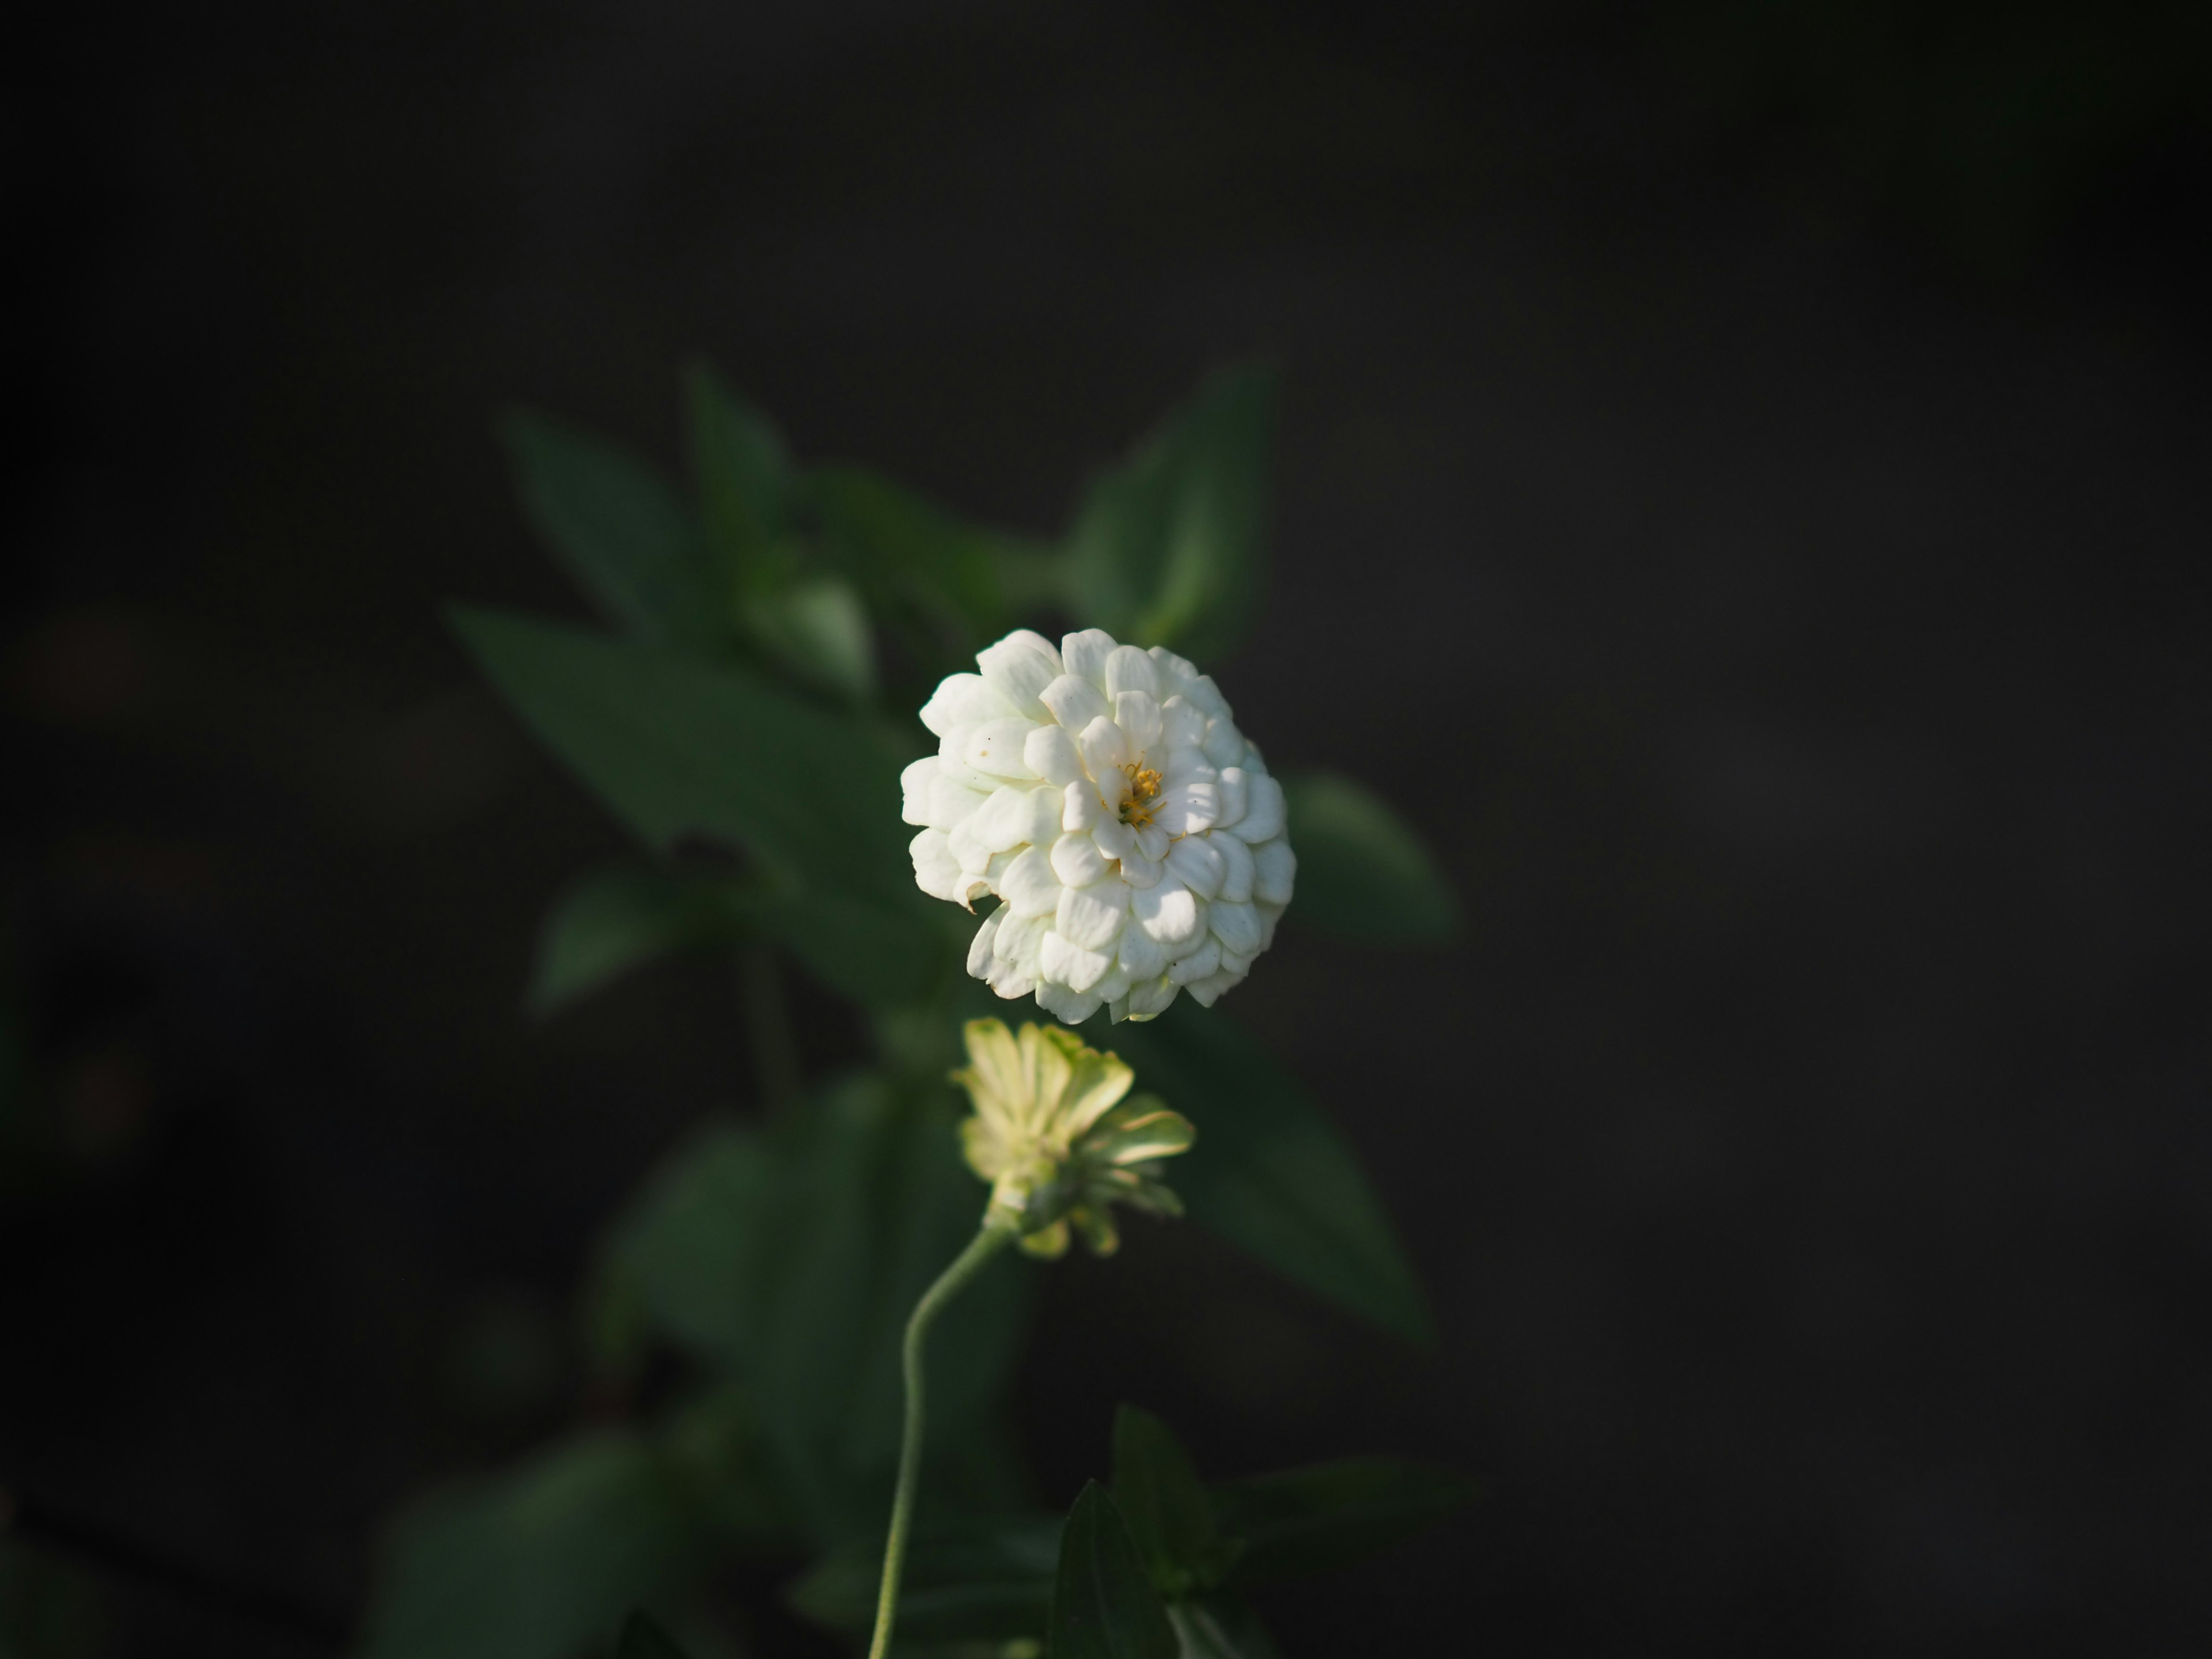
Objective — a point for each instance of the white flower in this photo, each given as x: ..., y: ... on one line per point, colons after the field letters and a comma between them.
x: 1104, y: 793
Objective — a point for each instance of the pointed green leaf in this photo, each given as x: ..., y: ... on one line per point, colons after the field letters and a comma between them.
x: 537, y: 1563
x: 1300, y: 1521
x: 816, y: 630
x: 1362, y: 873
x: 1161, y: 1497
x: 939, y: 582
x: 745, y: 489
x: 1103, y: 1605
x: 1167, y: 548
x: 641, y: 1638
x: 679, y: 747
x: 1269, y: 1172
x: 621, y: 917
x: 617, y: 526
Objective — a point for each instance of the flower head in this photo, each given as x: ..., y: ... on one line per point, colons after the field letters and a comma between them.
x: 1104, y: 793
x: 1056, y: 1140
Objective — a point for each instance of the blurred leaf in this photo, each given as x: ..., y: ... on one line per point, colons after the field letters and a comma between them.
x: 1167, y: 548
x: 676, y: 747
x: 1305, y: 1521
x: 983, y: 1583
x: 816, y: 630
x: 1269, y: 1172
x: 793, y: 1255
x: 617, y: 526
x: 942, y: 584
x: 643, y: 1640
x: 539, y: 1563
x: 1162, y: 1500
x: 1363, y: 874
x: 1103, y: 1605
x: 745, y: 489
x: 624, y: 916
x: 1220, y: 1627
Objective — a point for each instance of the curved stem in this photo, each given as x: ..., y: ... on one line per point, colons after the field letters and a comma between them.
x: 987, y: 1244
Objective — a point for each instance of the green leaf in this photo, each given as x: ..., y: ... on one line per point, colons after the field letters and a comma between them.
x: 793, y: 1256
x: 1160, y: 1496
x: 942, y: 585
x: 746, y: 492
x: 616, y: 524
x: 1300, y: 1521
x: 1363, y: 874
x: 1269, y: 1172
x: 678, y: 747
x: 621, y: 917
x: 641, y: 1638
x: 816, y: 630
x: 977, y: 1583
x: 1103, y: 1605
x: 1167, y: 548
x: 539, y: 1563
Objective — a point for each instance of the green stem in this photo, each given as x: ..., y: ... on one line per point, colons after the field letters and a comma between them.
x: 993, y: 1238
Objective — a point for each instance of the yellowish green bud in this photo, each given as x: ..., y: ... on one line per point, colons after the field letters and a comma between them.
x: 1060, y: 1139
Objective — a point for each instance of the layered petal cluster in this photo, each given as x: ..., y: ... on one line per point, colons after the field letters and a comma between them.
x: 1104, y: 793
x: 1059, y: 1137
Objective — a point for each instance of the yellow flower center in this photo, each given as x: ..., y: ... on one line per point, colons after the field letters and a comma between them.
x: 1144, y: 791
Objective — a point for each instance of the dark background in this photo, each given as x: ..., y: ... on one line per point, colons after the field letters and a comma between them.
x: 1740, y: 492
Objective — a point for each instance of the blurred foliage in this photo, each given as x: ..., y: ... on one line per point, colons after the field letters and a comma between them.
x: 746, y: 719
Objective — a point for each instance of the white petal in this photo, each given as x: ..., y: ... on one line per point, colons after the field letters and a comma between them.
x: 1006, y: 818
x: 1269, y: 915
x: 995, y: 747
x: 1238, y: 927
x: 1138, y: 714
x: 1207, y: 992
x: 1190, y: 947
x: 951, y: 803
x: 1140, y: 872
x: 1011, y: 981
x: 1233, y: 963
x: 1234, y: 797
x: 1028, y: 887
x: 969, y: 848
x: 1075, y: 702
x: 1264, y: 812
x: 1019, y: 667
x: 1128, y: 669
x: 1081, y: 809
x: 1201, y: 964
x: 1112, y: 987
x: 1274, y: 871
x: 1201, y: 690
x: 1223, y: 744
x: 1236, y: 886
x: 1105, y: 749
x: 1140, y: 955
x: 1019, y: 939
x: 1092, y: 917
x: 1184, y: 809
x: 1152, y: 999
x: 963, y: 700
x: 979, y: 948
x: 1185, y: 765
x: 1198, y: 863
x: 935, y: 869
x: 1153, y: 842
x: 1076, y: 860
x: 1042, y: 826
x: 1171, y: 913
x: 1049, y: 752
x: 914, y: 789
x: 1084, y: 654
x: 1115, y: 838
x: 1061, y: 962
x: 1174, y: 671
x: 1183, y: 723
x: 1068, y: 1007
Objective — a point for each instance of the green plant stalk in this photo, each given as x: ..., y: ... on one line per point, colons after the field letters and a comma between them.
x: 993, y: 1236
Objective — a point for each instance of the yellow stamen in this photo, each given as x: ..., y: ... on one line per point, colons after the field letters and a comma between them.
x: 1144, y: 791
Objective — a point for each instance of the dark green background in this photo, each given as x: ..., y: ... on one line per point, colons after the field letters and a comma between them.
x: 1741, y: 492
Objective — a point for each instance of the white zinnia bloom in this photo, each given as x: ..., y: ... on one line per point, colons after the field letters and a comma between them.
x: 1106, y: 795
